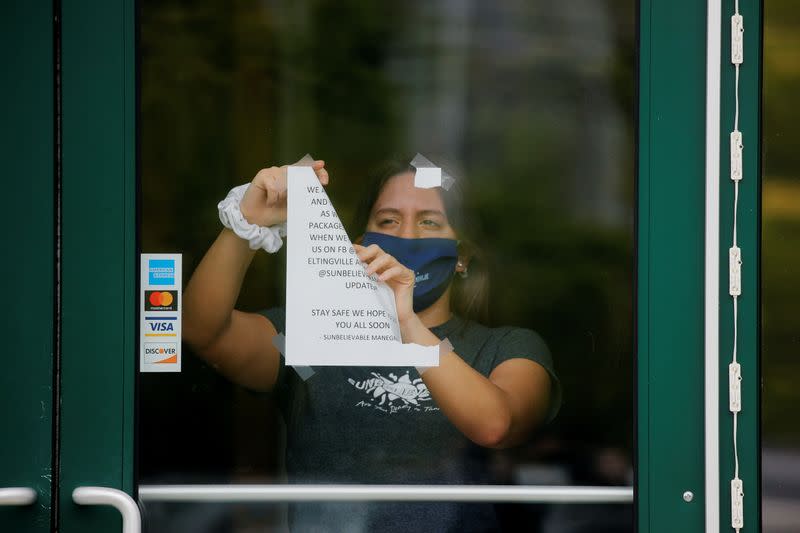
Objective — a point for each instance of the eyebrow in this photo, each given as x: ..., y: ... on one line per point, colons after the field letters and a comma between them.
x: 393, y: 211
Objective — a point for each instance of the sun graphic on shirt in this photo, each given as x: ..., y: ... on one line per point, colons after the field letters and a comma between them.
x: 393, y: 388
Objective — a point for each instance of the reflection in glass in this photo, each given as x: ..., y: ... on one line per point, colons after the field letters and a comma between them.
x: 780, y: 227
x: 530, y: 103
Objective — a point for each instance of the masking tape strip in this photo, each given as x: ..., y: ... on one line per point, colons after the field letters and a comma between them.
x: 445, y: 347
x: 428, y: 175
x: 279, y: 341
x: 304, y: 372
x: 305, y: 161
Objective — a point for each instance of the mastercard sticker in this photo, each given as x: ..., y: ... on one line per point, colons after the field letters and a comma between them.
x: 160, y: 300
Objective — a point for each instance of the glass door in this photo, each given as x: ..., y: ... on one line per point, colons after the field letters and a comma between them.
x: 529, y: 107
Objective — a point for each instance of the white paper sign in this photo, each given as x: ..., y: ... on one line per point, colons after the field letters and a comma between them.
x: 160, y: 311
x: 336, y: 314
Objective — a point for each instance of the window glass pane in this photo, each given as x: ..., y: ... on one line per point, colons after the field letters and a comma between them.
x: 530, y: 107
x: 259, y: 517
x: 780, y: 227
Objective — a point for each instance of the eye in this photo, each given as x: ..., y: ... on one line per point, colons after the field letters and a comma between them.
x: 386, y: 221
x: 430, y: 223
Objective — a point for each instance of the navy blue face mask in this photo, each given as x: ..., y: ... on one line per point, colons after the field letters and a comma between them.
x: 432, y: 260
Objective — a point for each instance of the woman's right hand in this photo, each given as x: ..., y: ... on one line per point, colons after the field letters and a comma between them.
x: 264, y: 203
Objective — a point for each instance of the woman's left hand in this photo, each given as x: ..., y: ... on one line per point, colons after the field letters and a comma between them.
x: 399, y: 278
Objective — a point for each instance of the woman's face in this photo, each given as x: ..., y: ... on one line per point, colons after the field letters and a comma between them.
x: 406, y: 211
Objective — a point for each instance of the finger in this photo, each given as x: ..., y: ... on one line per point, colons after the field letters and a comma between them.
x: 276, y: 184
x: 276, y: 193
x: 399, y: 273
x: 263, y: 177
x: 318, y: 164
x: 368, y: 253
x: 276, y: 198
x: 381, y: 263
x: 322, y: 174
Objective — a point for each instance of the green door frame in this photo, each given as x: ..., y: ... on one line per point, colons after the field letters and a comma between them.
x: 671, y: 187
x: 27, y: 270
x: 671, y: 248
x: 98, y: 66
x: 98, y: 266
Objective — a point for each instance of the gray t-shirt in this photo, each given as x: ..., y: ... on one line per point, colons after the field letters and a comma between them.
x: 379, y: 425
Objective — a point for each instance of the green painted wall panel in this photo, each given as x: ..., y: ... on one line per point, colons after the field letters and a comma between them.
x: 27, y: 267
x: 98, y: 263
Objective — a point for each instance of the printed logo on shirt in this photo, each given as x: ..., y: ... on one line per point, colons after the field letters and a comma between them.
x: 161, y: 272
x: 160, y: 300
x: 392, y: 394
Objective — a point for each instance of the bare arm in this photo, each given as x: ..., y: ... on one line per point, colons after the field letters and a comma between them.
x: 237, y: 344
x: 496, y: 412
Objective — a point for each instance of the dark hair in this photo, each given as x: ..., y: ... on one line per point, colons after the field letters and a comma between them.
x: 469, y: 296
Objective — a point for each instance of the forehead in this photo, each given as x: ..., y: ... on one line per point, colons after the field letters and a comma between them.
x: 400, y: 193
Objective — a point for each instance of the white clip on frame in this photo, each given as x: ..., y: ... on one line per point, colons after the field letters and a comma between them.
x: 735, y: 386
x: 737, y: 39
x: 736, y: 155
x: 737, y: 504
x: 735, y: 271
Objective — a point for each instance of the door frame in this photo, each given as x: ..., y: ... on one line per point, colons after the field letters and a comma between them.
x: 99, y: 267
x: 28, y: 268
x: 99, y: 73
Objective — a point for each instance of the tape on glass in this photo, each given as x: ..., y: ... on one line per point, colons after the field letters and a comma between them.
x: 279, y: 341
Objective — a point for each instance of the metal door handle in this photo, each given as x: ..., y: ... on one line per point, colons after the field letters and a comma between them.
x: 374, y: 493
x: 131, y: 519
x: 17, y: 496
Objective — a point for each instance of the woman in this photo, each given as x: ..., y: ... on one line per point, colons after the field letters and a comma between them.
x: 347, y: 424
